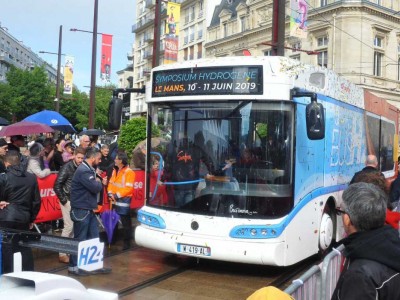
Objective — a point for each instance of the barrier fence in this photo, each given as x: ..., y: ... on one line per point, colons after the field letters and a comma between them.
x: 319, y: 282
x: 50, y: 209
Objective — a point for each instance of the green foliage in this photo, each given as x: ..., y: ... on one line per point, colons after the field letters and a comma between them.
x: 72, y: 108
x: 25, y: 93
x: 133, y: 132
x: 29, y: 91
x: 103, y: 96
x: 262, y: 129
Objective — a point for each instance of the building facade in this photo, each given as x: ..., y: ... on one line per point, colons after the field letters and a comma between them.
x: 193, y: 27
x: 357, y: 39
x: 15, y: 53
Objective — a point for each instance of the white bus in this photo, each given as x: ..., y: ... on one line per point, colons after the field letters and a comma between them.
x: 255, y: 153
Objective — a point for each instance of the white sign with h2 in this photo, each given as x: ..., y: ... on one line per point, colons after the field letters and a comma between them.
x: 90, y: 255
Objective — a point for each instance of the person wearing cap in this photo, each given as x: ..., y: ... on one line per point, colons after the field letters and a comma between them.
x: 16, y: 142
x: 68, y: 151
x: 3, y: 151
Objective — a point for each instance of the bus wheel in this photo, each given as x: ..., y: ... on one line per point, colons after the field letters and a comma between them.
x: 325, y: 232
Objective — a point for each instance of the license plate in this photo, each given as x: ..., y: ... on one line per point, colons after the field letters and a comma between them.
x: 196, y: 250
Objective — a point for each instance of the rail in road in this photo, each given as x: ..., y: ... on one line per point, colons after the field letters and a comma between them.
x: 141, y: 273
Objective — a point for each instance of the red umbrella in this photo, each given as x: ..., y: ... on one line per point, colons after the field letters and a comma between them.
x: 25, y: 128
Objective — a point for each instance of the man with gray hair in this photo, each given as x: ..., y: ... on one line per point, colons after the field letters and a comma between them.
x: 371, y: 165
x: 372, y: 249
x: 84, y: 141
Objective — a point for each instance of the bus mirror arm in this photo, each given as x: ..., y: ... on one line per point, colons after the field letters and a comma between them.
x: 315, y: 115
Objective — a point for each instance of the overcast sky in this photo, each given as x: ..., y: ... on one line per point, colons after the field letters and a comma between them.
x: 37, y: 23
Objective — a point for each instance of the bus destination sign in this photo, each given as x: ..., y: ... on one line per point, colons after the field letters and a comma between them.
x: 237, y: 80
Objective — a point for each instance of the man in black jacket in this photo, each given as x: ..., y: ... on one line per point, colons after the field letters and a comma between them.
x: 371, y: 165
x: 20, y: 193
x: 372, y: 249
x: 62, y: 188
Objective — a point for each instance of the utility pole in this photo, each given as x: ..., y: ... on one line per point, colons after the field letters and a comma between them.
x: 57, y: 100
x: 156, y: 43
x: 92, y: 102
x: 278, y: 28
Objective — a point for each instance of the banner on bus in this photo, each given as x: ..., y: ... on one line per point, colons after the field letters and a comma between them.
x: 172, y: 33
x: 68, y: 75
x: 106, y: 49
x: 298, y: 18
x: 50, y: 209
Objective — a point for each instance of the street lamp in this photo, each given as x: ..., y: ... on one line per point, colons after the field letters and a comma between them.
x: 57, y: 99
x: 92, y: 102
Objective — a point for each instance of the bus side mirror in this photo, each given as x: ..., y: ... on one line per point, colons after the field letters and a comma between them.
x: 315, y: 120
x: 114, y: 113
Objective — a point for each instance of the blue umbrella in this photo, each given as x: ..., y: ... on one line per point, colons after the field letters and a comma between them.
x: 53, y: 119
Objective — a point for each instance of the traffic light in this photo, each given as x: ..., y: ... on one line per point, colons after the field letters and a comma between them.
x: 114, y: 113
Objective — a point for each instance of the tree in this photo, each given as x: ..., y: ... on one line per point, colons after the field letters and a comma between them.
x: 133, y: 132
x: 27, y: 91
x: 103, y: 96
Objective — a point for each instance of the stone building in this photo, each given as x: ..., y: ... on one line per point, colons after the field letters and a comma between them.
x: 358, y: 39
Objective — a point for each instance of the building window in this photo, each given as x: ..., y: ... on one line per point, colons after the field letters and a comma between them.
x: 323, y: 58
x: 295, y: 57
x: 398, y: 69
x: 378, y: 42
x: 225, y: 26
x: 243, y: 24
x: 322, y: 41
x: 378, y: 56
x: 199, y: 50
x: 268, y: 53
x: 324, y: 2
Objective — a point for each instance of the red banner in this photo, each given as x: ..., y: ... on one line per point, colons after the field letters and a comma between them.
x: 106, y: 49
x: 50, y: 209
x: 138, y: 194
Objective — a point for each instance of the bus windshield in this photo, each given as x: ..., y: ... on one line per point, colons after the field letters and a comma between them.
x: 231, y: 159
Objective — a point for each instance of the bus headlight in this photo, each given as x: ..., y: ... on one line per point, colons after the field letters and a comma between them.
x: 150, y: 219
x: 256, y: 231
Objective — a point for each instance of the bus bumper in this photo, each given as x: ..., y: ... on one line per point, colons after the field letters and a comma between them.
x: 261, y: 252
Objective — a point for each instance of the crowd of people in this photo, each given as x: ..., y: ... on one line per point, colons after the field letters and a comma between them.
x: 85, y: 170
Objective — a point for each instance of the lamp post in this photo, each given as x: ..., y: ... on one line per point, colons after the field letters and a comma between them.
x: 92, y: 102
x: 57, y: 99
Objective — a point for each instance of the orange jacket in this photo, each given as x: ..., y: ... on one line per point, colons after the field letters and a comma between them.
x: 121, y: 183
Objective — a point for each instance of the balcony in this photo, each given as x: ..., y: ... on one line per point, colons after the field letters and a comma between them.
x: 5, y: 59
x: 148, y: 55
x: 147, y: 20
x: 149, y: 38
x: 150, y: 3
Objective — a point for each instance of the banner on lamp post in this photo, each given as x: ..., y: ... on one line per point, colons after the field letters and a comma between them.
x: 106, y: 50
x: 68, y: 74
x: 172, y: 33
x: 298, y: 18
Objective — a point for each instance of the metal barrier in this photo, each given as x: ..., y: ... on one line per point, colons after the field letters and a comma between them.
x: 319, y: 282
